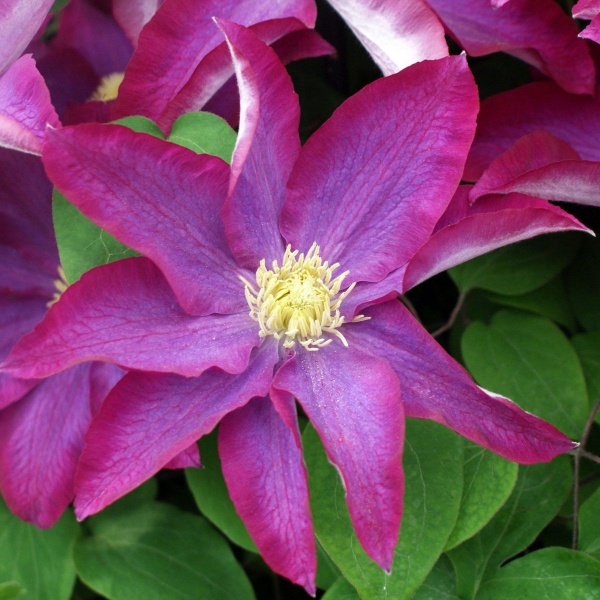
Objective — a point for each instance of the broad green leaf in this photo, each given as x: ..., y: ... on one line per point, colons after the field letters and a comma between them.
x: 529, y: 360
x: 440, y: 583
x: 433, y: 471
x: 82, y: 245
x: 550, y: 300
x: 58, y: 5
x: 157, y: 552
x: 141, y: 125
x: 489, y: 481
x: 341, y: 590
x: 204, y: 133
x: 518, y: 268
x: 549, y: 573
x: 584, y: 284
x: 587, y: 346
x: 38, y: 560
x: 327, y: 572
x: 538, y: 496
x: 589, y: 525
x: 211, y: 495
x: 10, y: 589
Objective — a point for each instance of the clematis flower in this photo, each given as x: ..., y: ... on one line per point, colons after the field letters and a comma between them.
x: 25, y: 106
x: 272, y: 281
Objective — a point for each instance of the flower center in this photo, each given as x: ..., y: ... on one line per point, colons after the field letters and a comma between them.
x: 299, y: 301
x: 108, y: 88
x: 61, y: 284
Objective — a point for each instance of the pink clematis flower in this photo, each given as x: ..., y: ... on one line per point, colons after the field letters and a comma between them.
x: 25, y: 106
x: 238, y: 307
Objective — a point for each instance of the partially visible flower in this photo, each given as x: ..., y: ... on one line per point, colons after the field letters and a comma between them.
x: 241, y: 306
x: 589, y: 10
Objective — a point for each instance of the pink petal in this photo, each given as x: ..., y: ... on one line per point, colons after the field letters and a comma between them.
x: 186, y: 459
x: 371, y: 183
x: 265, y: 151
x: 586, y: 9
x: 592, y: 31
x: 396, y: 34
x: 491, y: 223
x: 19, y: 22
x: 149, y: 418
x: 125, y: 313
x: 132, y: 15
x: 21, y: 275
x: 25, y: 107
x: 266, y: 478
x: 436, y: 387
x: 536, y: 31
x: 159, y: 198
x: 353, y: 400
x: 186, y: 27
x: 506, y: 117
x: 42, y: 437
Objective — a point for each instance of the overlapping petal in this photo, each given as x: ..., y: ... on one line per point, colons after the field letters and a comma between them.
x: 353, y: 400
x: 126, y: 313
x: 132, y: 15
x: 128, y: 442
x: 396, y: 34
x: 388, y: 160
x: 436, y: 387
x: 266, y: 478
x: 589, y: 9
x: 158, y: 198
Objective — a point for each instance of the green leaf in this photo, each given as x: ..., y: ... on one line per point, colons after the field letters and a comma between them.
x: 589, y: 525
x: 550, y: 300
x: 10, y: 589
x: 157, y: 552
x: 538, y: 496
x: 529, y: 360
x: 489, y: 481
x: 584, y: 284
x: 440, y: 583
x: 38, y: 560
x: 433, y: 471
x: 548, y: 573
x: 341, y: 590
x: 327, y: 572
x: 82, y: 245
x: 518, y: 268
x: 141, y: 125
x: 210, y: 493
x: 204, y: 133
x: 58, y: 5
x: 587, y: 346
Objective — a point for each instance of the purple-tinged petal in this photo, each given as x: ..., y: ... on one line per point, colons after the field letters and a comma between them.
x: 353, y: 401
x: 396, y: 34
x: 186, y: 459
x: 154, y: 77
x: 506, y: 117
x: 372, y: 182
x: 266, y: 478
x: 536, y: 31
x: 266, y: 149
x: 491, y: 223
x: 12, y: 389
x: 541, y: 165
x: 125, y: 313
x: 132, y: 15
x: 436, y: 387
x: 592, y: 31
x: 25, y: 107
x: 21, y: 275
x: 149, y: 418
x: 586, y: 9
x: 19, y: 22
x: 159, y: 198
x: 42, y: 437
x: 95, y: 35
x: 103, y: 378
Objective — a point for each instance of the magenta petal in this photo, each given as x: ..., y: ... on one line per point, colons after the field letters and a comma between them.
x: 491, y: 223
x: 396, y: 34
x: 159, y: 198
x: 536, y: 31
x: 586, y: 9
x: 266, y: 478
x: 25, y: 107
x: 148, y: 419
x: 42, y: 437
x: 372, y: 182
x: 132, y: 15
x: 353, y: 401
x: 265, y: 151
x: 188, y: 458
x: 125, y: 313
x: 436, y: 387
x: 19, y: 22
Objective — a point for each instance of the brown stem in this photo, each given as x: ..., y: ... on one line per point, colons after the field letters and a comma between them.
x: 411, y: 307
x: 453, y: 316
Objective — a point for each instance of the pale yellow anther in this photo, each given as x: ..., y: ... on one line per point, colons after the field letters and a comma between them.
x: 61, y: 284
x: 299, y: 301
x: 108, y: 88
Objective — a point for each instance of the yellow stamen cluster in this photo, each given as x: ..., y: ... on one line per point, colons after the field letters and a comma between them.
x: 108, y: 88
x: 299, y: 301
x: 60, y: 284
